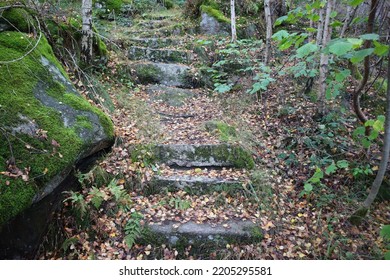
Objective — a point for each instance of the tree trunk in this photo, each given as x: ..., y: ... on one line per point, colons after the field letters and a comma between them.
x: 324, y: 60
x: 87, y: 36
x: 348, y: 19
x: 367, y: 44
x: 233, y: 20
x: 320, y: 27
x: 268, y: 19
x: 283, y: 7
x: 358, y: 216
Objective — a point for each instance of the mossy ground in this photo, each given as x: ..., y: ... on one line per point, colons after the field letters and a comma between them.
x: 34, y: 152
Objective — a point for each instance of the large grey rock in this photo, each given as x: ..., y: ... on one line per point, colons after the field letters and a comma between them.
x: 210, y: 26
x: 53, y: 127
x: 160, y: 55
x: 173, y: 75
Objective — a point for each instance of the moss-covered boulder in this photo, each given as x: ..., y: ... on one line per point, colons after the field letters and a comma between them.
x: 46, y: 126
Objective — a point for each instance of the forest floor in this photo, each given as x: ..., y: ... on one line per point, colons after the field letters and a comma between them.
x: 287, y: 145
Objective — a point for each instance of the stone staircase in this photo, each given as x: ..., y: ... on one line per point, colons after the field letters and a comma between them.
x: 159, y: 59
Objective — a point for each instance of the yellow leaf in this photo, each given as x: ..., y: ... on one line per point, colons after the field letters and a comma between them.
x: 45, y: 171
x: 375, y: 168
x: 300, y: 214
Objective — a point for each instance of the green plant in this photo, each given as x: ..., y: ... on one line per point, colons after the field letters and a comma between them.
x: 385, y: 234
x: 121, y: 197
x: 133, y: 229
x: 179, y: 203
x: 78, y: 202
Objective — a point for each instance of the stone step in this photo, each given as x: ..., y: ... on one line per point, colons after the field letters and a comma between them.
x: 193, y: 184
x: 171, y: 96
x: 156, y: 43
x: 173, y: 75
x: 160, y: 55
x: 206, y: 235
x: 198, y: 155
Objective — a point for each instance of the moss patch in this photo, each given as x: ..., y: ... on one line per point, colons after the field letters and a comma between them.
x: 34, y: 154
x: 215, y: 13
x: 225, y: 131
x: 20, y: 19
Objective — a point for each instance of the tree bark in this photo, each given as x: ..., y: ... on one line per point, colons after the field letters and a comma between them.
x: 348, y: 19
x: 358, y: 216
x: 324, y: 60
x: 268, y: 19
x: 320, y: 27
x: 87, y: 36
x: 367, y: 44
x: 233, y: 20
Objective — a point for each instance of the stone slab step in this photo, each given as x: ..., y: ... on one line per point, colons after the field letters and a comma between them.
x: 193, y: 184
x: 173, y: 75
x: 213, y: 155
x: 156, y: 43
x: 160, y: 55
x: 191, y: 233
x: 172, y: 96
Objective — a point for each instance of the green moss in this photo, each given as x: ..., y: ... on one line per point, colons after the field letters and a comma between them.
x: 114, y: 5
x: 20, y: 19
x: 148, y: 73
x: 215, y: 13
x: 84, y: 122
x: 168, y: 4
x: 225, y: 131
x: 34, y: 154
x: 79, y: 103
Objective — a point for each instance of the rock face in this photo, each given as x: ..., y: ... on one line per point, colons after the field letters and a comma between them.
x: 46, y: 126
x: 211, y: 26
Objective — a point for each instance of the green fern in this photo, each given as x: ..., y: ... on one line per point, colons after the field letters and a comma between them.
x: 133, y: 229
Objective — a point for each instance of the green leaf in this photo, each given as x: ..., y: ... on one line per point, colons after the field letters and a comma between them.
x: 355, y: 42
x: 331, y: 169
x: 355, y: 3
x: 280, y: 20
x: 366, y: 143
x: 336, y: 23
x: 333, y: 14
x: 308, y: 187
x: 342, y: 164
x: 385, y: 232
x: 380, y: 49
x: 340, y: 48
x: 222, y: 88
x: 371, y: 36
x: 310, y: 29
x: 280, y: 35
x: 306, y: 50
x: 387, y: 255
x: 378, y: 125
x: 359, y: 131
x: 318, y: 175
x: 360, y: 55
x: 342, y: 75
x: 381, y: 118
x: 373, y: 135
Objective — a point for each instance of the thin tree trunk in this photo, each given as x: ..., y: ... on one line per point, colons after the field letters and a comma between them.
x: 358, y: 216
x: 268, y: 19
x: 233, y: 20
x: 320, y: 27
x: 367, y: 44
x: 86, y: 39
x: 324, y: 60
x: 284, y: 7
x: 348, y: 19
